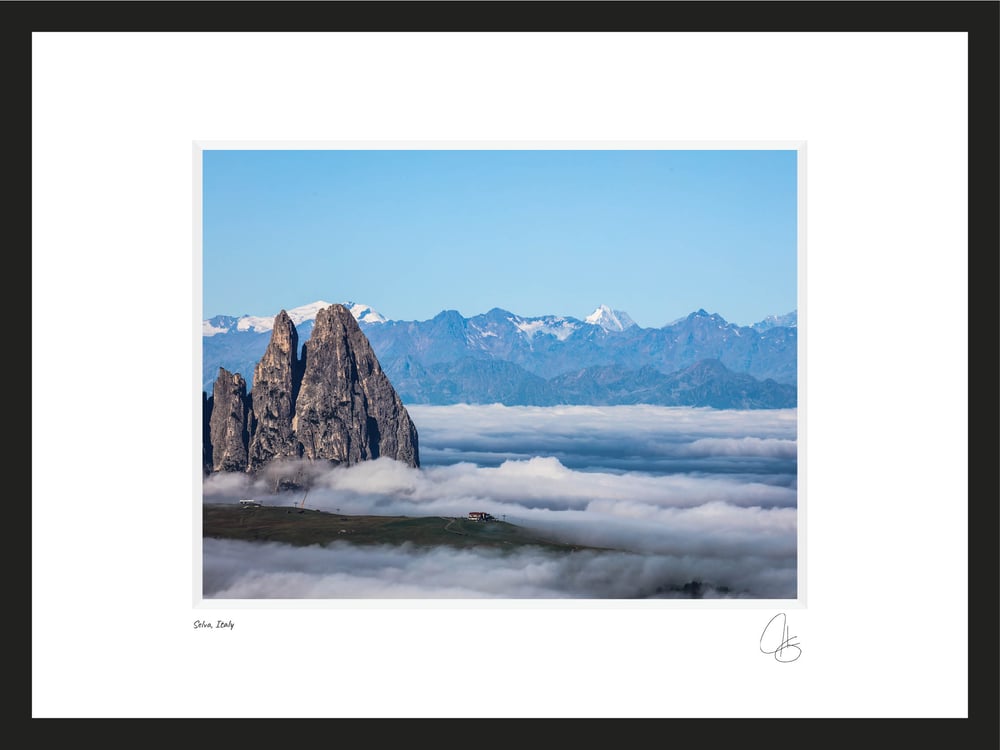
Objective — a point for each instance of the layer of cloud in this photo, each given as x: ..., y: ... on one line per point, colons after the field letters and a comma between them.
x: 653, y: 439
x: 732, y: 515
x: 514, y: 487
x: 244, y: 570
x: 743, y: 447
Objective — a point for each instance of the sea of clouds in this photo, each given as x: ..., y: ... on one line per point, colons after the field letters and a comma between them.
x: 689, y: 502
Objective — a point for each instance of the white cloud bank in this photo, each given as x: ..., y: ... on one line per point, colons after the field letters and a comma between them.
x: 730, y: 521
x: 655, y: 439
x: 245, y: 570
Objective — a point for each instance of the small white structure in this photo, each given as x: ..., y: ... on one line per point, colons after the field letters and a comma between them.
x: 249, y: 503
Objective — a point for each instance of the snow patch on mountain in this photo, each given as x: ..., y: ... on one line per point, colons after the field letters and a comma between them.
x: 254, y: 324
x: 365, y: 314
x: 788, y: 320
x: 207, y: 329
x: 561, y: 328
x: 481, y: 332
x: 258, y: 324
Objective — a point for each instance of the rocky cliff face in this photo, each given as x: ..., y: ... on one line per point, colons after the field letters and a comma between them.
x: 276, y: 382
x: 347, y: 410
x: 231, y: 422
x: 206, y: 432
x: 335, y: 404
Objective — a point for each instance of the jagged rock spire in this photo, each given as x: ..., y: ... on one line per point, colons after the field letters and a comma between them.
x: 230, y: 424
x: 347, y: 410
x: 335, y: 404
x: 276, y: 381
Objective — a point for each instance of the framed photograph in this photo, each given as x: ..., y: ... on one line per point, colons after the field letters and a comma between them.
x: 682, y: 302
x: 488, y: 427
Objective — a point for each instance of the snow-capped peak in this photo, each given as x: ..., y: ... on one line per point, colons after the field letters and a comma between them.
x: 365, y: 314
x: 610, y: 320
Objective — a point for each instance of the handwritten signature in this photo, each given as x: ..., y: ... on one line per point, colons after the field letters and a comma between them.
x: 779, y: 642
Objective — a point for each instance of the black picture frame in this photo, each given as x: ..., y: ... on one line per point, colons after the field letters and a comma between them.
x: 979, y: 20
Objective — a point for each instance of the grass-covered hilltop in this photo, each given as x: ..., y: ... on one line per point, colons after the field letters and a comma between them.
x: 301, y: 527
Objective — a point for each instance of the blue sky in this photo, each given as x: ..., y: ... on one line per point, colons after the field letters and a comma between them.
x: 655, y: 233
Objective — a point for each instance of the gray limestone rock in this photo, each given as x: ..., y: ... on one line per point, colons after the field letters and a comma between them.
x: 231, y: 422
x: 335, y: 404
x: 347, y: 410
x: 206, y: 432
x: 276, y: 382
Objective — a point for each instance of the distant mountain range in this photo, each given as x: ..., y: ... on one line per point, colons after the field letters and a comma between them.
x: 498, y: 356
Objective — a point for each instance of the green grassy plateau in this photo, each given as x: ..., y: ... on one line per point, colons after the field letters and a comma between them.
x: 305, y: 526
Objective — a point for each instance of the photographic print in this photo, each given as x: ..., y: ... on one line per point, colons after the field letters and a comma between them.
x: 500, y: 373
